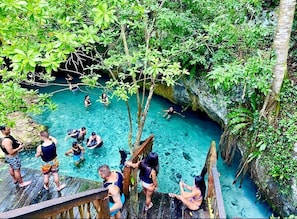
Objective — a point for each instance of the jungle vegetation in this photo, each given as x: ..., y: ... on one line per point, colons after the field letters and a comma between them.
x: 245, y: 48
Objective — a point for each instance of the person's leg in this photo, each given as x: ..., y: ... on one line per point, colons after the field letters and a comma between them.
x: 46, y: 181
x: 118, y: 215
x: 17, y: 176
x: 148, y: 198
x: 11, y: 172
x: 15, y: 171
x: 57, y: 181
x: 185, y: 201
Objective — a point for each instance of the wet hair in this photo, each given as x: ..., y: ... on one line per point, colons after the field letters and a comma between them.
x: 74, y: 144
x: 83, y: 128
x: 200, y: 183
x: 104, y: 169
x: 86, y: 96
x: 44, y: 134
x: 2, y: 127
x: 151, y: 161
x: 93, y: 133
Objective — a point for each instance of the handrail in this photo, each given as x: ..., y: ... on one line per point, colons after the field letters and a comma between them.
x: 214, y: 194
x: 142, y: 151
x: 64, y: 205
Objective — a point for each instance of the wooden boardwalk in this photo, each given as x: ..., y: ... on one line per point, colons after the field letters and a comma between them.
x: 13, y: 197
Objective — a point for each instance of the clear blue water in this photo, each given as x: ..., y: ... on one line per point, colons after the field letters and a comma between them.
x: 182, y: 145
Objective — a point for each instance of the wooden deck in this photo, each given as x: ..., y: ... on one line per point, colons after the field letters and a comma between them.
x: 13, y: 197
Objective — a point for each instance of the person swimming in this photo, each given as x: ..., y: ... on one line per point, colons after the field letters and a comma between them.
x: 94, y: 141
x: 169, y: 112
x: 104, y: 99
x: 77, y: 152
x: 79, y: 134
x: 87, y: 101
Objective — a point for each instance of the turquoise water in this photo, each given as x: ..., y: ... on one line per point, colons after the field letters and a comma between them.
x: 182, y: 145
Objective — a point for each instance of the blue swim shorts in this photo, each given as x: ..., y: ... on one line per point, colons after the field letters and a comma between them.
x: 14, y: 162
x: 112, y: 214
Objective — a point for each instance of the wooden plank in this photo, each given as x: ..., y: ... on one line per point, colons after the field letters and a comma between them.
x: 57, y: 205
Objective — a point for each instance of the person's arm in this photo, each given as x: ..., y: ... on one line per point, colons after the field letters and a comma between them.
x: 89, y: 140
x: 186, y: 186
x: 178, y: 113
x: 38, y: 151
x: 53, y: 139
x: 133, y: 165
x: 81, y: 148
x: 7, y: 144
x: 187, y: 194
x: 74, y: 133
x: 68, y: 152
x: 113, y: 191
x: 154, y: 178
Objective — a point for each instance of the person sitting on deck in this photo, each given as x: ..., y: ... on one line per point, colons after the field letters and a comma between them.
x: 94, y: 141
x: 77, y: 152
x: 170, y: 112
x: 79, y: 134
x: 149, y: 168
x: 194, y: 198
x: 113, y: 181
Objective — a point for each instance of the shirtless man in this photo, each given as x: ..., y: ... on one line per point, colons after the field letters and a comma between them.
x: 11, y: 147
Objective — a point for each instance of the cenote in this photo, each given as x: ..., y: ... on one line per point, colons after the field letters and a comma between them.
x: 182, y: 145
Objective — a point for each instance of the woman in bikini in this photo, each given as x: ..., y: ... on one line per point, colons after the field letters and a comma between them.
x: 194, y: 198
x: 149, y: 168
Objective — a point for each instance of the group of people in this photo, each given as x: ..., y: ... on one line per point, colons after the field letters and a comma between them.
x: 47, y: 151
x: 112, y: 180
x: 87, y: 100
x: 102, y: 99
x: 191, y: 196
x: 77, y: 150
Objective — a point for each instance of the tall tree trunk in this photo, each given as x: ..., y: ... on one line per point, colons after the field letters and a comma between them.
x: 281, y: 47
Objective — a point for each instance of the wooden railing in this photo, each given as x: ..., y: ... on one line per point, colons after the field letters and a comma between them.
x: 72, y: 206
x: 214, y: 194
x: 138, y: 154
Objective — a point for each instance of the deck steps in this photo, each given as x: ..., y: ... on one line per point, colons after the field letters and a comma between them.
x: 13, y: 197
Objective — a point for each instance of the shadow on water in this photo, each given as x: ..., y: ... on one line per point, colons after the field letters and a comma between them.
x: 182, y: 145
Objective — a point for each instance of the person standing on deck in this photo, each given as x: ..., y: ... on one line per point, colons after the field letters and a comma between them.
x: 149, y: 168
x: 11, y: 147
x: 113, y: 180
x: 48, y: 154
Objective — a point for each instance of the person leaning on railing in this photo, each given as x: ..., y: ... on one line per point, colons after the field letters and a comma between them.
x: 149, y: 168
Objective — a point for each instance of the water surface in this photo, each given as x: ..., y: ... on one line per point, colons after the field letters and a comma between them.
x: 182, y: 145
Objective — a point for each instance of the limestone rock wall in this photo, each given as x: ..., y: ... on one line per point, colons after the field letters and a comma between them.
x: 196, y: 95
